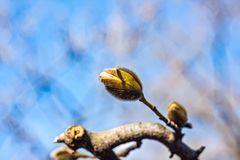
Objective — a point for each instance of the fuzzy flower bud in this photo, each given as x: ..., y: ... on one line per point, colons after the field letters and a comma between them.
x: 122, y: 83
x: 177, y: 113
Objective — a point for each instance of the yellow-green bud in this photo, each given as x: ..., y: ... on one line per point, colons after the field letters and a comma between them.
x: 177, y: 113
x: 122, y: 83
x: 63, y: 153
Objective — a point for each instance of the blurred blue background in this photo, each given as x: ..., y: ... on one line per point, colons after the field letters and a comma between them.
x: 51, y: 53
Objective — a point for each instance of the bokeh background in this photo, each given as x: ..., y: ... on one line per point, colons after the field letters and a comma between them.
x: 52, y: 51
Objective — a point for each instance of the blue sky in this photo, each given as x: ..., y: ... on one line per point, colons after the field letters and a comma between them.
x: 51, y: 53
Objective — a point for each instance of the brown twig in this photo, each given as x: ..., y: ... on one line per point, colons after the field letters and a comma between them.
x: 178, y: 131
x: 101, y: 144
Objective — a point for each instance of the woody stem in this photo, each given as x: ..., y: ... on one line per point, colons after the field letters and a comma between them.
x: 159, y: 114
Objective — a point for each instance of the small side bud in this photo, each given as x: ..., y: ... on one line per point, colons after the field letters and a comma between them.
x: 177, y: 114
x: 122, y: 83
x: 63, y: 153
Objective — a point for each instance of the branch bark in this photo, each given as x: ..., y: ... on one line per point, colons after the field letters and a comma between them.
x: 101, y: 144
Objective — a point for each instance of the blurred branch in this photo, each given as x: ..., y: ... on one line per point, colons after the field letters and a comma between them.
x: 127, y: 150
x: 65, y: 153
x: 101, y: 144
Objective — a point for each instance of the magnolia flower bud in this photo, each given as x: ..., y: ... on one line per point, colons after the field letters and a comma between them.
x: 63, y: 153
x: 177, y: 113
x: 122, y: 83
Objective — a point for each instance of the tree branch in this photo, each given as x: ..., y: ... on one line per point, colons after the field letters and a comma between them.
x: 127, y: 150
x: 101, y: 144
x: 65, y: 153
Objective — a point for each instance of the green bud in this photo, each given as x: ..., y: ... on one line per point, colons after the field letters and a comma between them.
x: 122, y: 83
x: 177, y: 113
x: 63, y: 153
